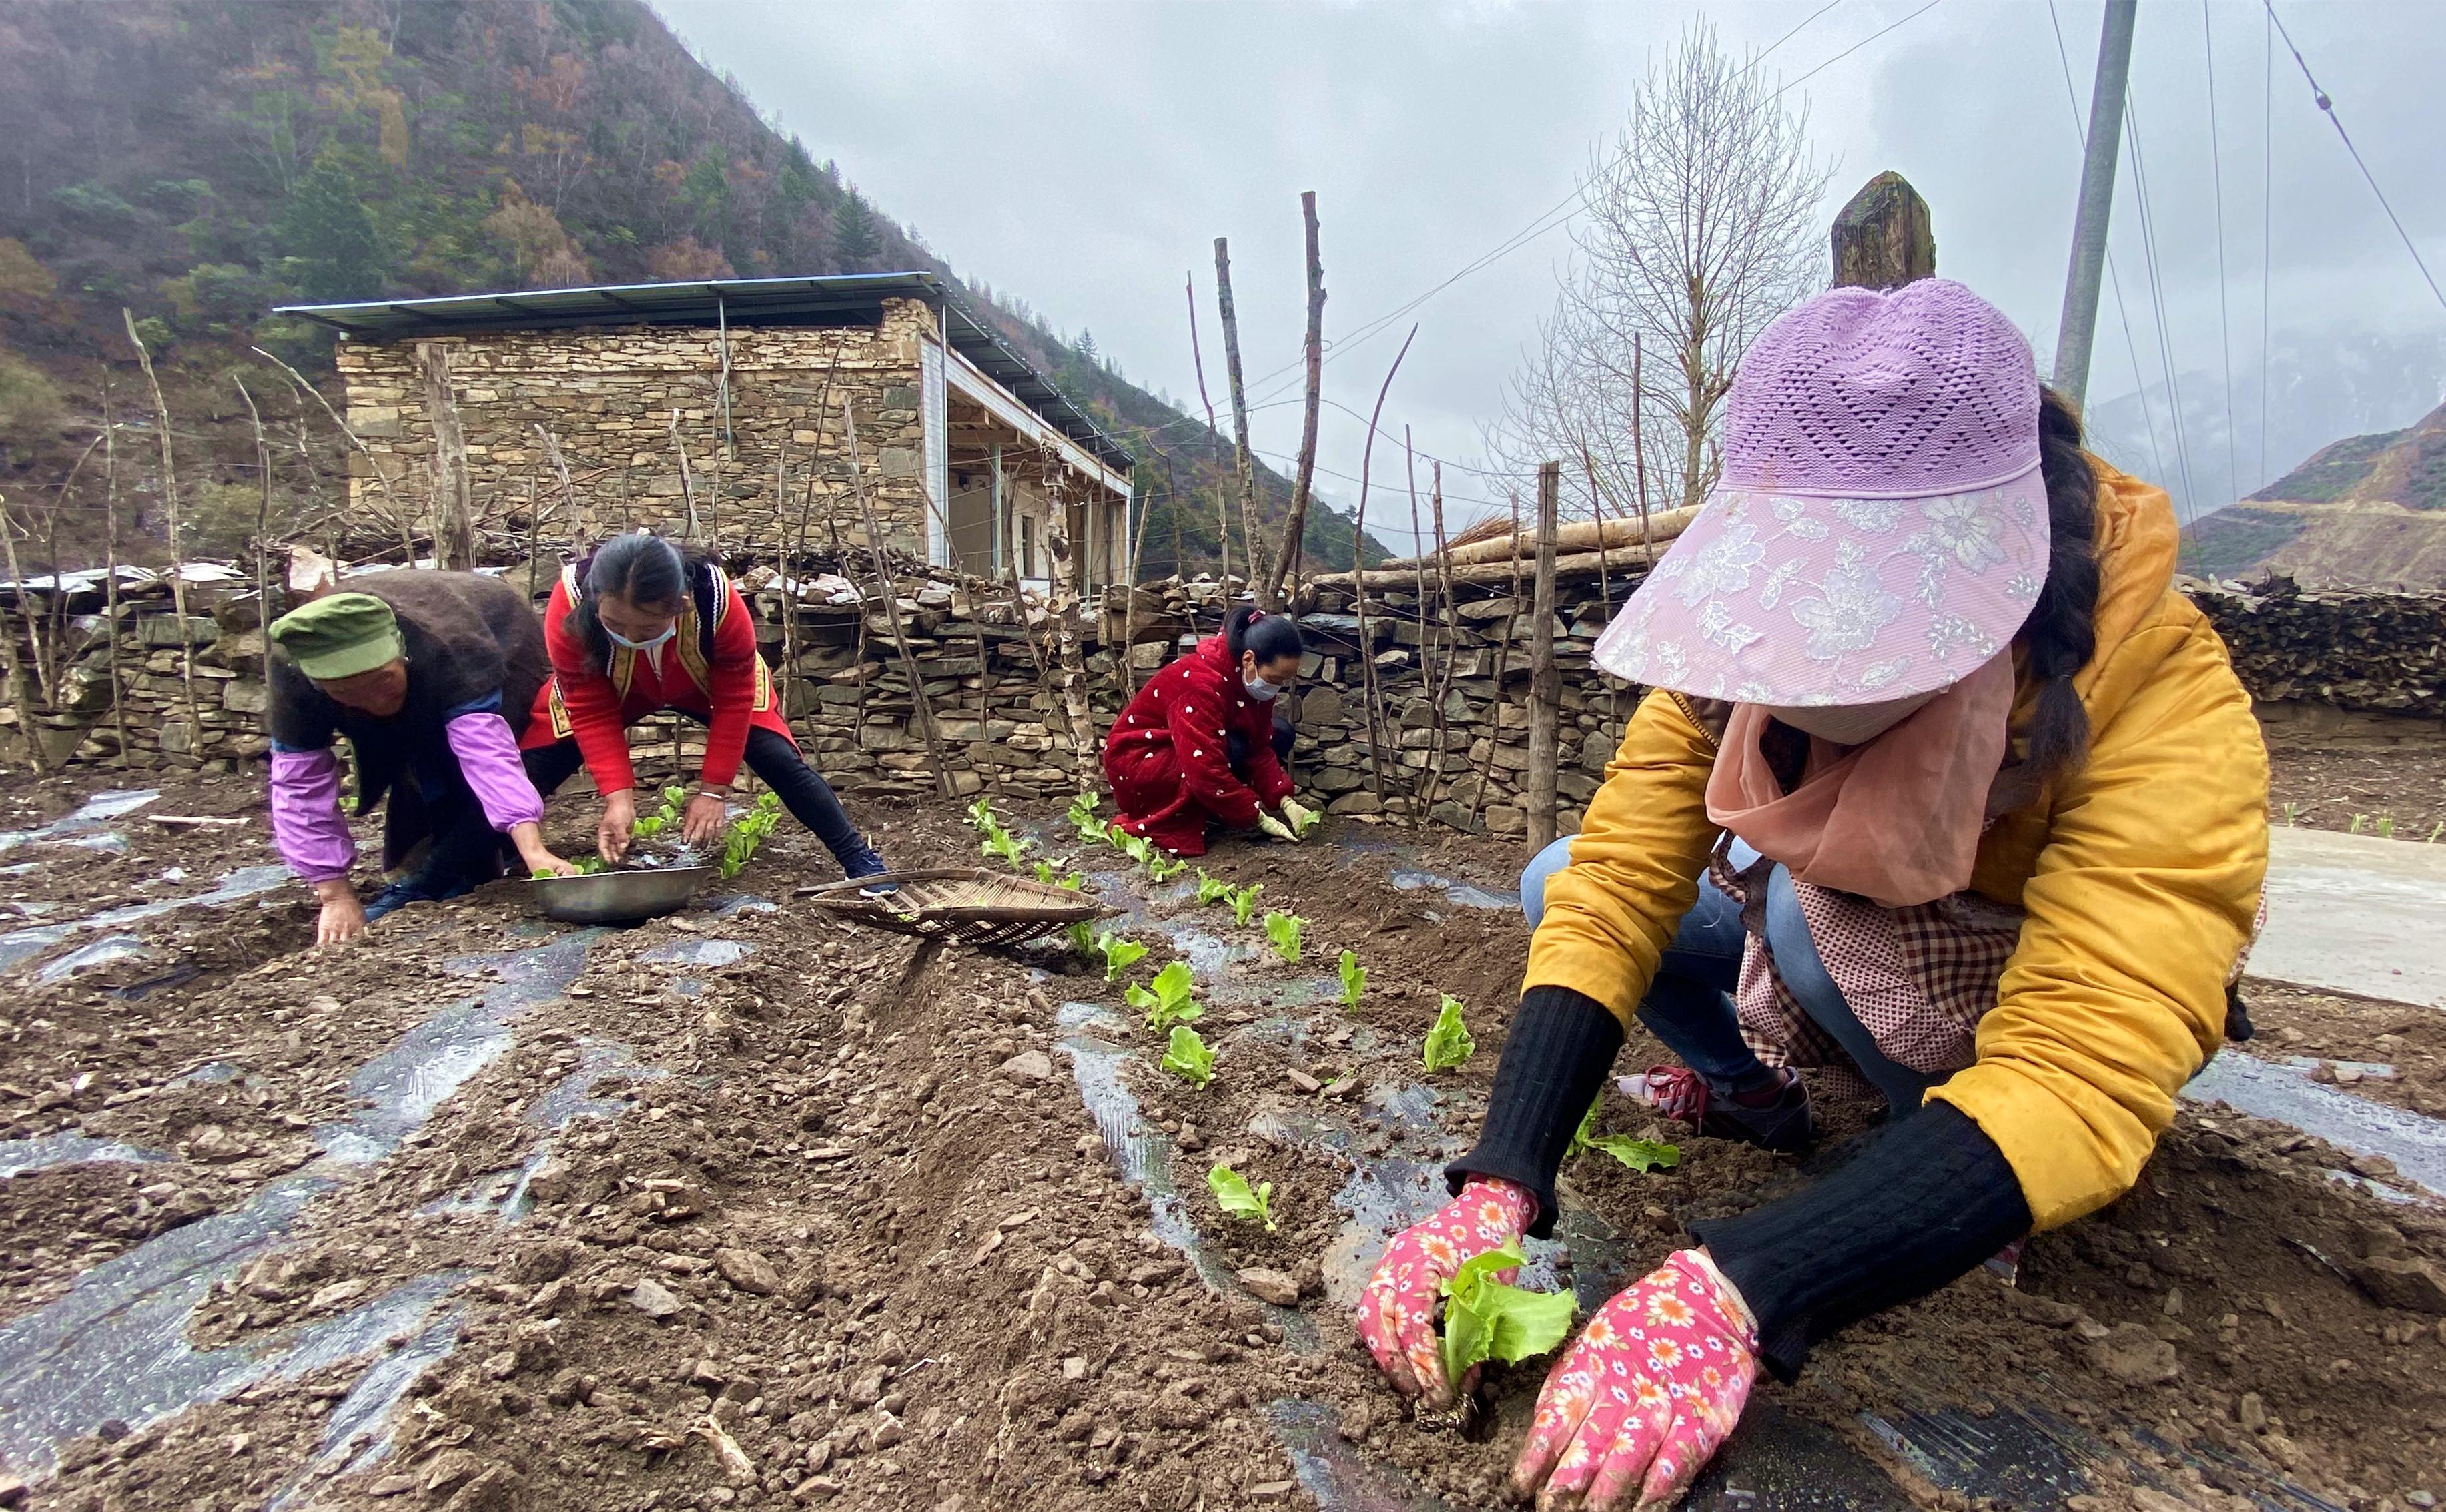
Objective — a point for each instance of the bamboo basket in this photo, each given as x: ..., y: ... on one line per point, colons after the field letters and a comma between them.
x: 961, y: 905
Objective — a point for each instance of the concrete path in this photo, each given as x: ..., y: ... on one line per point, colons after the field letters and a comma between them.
x: 2355, y: 914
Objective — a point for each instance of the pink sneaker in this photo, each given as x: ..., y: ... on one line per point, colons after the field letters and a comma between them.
x: 1783, y: 1122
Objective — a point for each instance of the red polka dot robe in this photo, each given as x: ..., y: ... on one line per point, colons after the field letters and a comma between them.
x: 1166, y: 756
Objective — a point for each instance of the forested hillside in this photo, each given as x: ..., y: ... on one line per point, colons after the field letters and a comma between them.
x: 200, y: 161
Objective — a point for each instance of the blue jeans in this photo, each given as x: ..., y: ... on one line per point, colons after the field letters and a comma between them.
x: 1689, y: 1004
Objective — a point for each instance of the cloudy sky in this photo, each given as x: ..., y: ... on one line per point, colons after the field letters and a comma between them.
x: 1085, y: 157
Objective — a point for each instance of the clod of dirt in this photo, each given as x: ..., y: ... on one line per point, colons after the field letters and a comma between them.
x: 2394, y: 1277
x: 1030, y: 1066
x: 2135, y: 1356
x: 747, y: 1271
x: 653, y: 1298
x: 1269, y: 1286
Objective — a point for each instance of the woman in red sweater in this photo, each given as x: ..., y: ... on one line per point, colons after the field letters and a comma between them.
x: 1200, y: 744
x: 641, y: 627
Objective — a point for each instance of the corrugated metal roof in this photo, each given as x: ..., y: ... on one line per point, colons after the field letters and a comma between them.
x: 831, y: 299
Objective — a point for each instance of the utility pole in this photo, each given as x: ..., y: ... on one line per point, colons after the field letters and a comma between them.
x: 2078, y: 327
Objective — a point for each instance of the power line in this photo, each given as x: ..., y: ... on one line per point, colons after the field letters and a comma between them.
x: 2224, y: 327
x: 2266, y: 218
x: 2113, y: 278
x: 2158, y: 303
x: 2327, y: 106
x: 1794, y: 32
x: 1856, y: 47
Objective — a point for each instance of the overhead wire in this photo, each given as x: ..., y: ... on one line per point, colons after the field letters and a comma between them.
x: 2327, y: 106
x: 2225, y: 324
x: 2157, y: 301
x: 1789, y: 35
x: 1854, y: 47
x: 2266, y: 217
x: 2115, y: 279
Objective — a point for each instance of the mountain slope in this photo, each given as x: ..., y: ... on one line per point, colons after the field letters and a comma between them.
x: 200, y: 160
x: 2366, y: 511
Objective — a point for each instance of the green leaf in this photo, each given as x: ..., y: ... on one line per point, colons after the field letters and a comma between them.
x: 1639, y: 1155
x: 1243, y: 903
x: 1164, y: 868
x: 1448, y: 1039
x: 1354, y: 978
x: 1170, y: 1001
x: 1118, y: 954
x: 1082, y: 937
x: 1212, y: 889
x: 1283, y: 933
x: 1234, y: 1196
x: 1187, y: 1057
x: 1487, y: 1319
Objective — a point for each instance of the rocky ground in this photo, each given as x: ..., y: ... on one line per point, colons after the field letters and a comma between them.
x: 746, y: 1208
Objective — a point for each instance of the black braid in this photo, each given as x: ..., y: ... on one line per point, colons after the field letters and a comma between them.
x: 2061, y: 636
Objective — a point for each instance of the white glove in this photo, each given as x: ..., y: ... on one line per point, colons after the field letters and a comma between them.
x: 1300, y: 818
x: 1275, y: 828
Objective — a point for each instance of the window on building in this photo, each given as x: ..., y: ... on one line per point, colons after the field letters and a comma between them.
x: 1026, y: 547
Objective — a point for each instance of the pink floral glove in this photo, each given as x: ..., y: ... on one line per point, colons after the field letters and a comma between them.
x: 1652, y: 1385
x: 1396, y: 1312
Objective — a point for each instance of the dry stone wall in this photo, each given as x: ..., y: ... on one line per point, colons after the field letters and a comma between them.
x: 1450, y: 742
x: 607, y: 396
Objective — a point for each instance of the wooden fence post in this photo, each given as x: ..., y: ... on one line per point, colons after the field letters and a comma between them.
x: 454, y: 527
x: 1882, y: 237
x: 1545, y: 683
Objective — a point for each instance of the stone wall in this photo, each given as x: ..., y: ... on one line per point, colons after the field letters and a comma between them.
x: 607, y: 396
x: 1452, y: 738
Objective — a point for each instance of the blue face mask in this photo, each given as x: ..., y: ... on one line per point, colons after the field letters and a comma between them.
x: 619, y: 639
x: 1260, y: 689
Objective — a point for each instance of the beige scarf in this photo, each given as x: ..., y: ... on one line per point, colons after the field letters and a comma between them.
x: 1897, y: 821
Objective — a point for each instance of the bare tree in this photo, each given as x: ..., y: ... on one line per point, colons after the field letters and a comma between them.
x: 1700, y: 225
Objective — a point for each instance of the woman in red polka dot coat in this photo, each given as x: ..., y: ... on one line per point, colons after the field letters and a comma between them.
x: 1198, y: 745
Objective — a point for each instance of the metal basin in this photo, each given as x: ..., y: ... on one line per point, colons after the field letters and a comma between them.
x: 620, y: 898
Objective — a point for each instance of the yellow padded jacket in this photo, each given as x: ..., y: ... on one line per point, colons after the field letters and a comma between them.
x: 2139, y: 874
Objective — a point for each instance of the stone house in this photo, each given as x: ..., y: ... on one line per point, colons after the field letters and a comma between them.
x: 716, y: 406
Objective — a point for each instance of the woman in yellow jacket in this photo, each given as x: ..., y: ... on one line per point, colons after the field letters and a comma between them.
x: 1938, y: 756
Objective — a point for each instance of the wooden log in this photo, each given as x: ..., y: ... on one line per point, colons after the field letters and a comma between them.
x: 1545, y: 683
x: 1577, y: 536
x: 1480, y: 574
x: 1882, y: 237
x: 454, y: 524
x: 1251, y: 540
x: 1270, y: 596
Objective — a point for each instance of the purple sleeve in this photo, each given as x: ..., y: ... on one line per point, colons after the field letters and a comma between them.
x: 488, y: 757
x: 307, y: 825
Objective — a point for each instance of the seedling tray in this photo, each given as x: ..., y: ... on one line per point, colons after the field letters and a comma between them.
x: 963, y: 905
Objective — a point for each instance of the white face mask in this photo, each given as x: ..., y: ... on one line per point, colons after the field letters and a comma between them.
x: 619, y: 639
x: 1260, y: 689
x: 1854, y: 724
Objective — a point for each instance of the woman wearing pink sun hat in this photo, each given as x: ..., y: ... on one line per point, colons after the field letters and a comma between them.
x: 1941, y: 782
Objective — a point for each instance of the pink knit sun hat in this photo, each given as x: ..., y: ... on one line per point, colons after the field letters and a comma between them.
x: 1880, y: 526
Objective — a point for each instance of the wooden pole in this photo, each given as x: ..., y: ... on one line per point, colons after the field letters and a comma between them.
x: 1605, y: 589
x: 178, y: 547
x: 924, y: 709
x: 111, y: 558
x: 1638, y: 446
x: 1251, y: 538
x: 21, y: 696
x: 262, y: 518
x: 1214, y: 433
x: 688, y: 483
x: 1502, y: 667
x: 1545, y: 683
x: 1080, y: 718
x: 1435, y: 772
x: 1295, y: 529
x: 1367, y: 645
x: 454, y: 527
x: 1882, y: 237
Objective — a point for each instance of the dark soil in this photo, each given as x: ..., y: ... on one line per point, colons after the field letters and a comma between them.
x: 2351, y: 1034
x: 895, y: 1265
x: 2399, y: 791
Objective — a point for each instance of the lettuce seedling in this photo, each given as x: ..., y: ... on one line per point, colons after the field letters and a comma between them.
x: 1354, y: 978
x: 748, y: 832
x: 1072, y: 880
x: 1118, y: 954
x: 1082, y: 937
x: 664, y: 818
x: 1170, y: 1002
x: 1187, y: 1057
x: 1234, y: 1194
x: 1164, y: 868
x: 1136, y: 847
x: 1485, y: 1320
x: 1212, y: 889
x: 1448, y: 1041
x: 1283, y: 933
x: 1639, y: 1155
x: 1243, y: 903
x: 1081, y: 815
